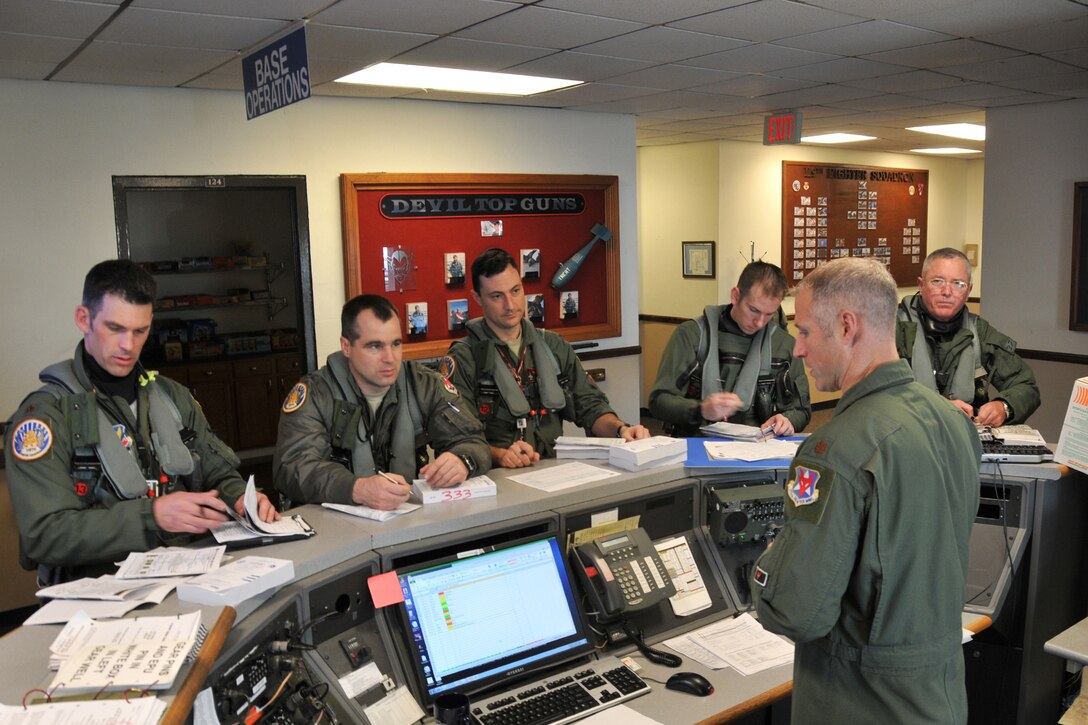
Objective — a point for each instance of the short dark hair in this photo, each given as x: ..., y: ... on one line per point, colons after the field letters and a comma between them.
x: 491, y: 262
x: 382, y: 308
x: 768, y: 276
x: 121, y: 277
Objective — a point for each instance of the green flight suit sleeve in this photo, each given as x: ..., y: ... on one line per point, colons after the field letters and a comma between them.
x: 451, y: 425
x: 463, y: 376
x: 301, y: 468
x: 218, y: 462
x: 1010, y: 376
x: 58, y: 527
x: 668, y: 400
x: 590, y: 403
x: 799, y: 410
x: 807, y: 571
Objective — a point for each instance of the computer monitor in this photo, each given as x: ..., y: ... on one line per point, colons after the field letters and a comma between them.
x: 498, y: 614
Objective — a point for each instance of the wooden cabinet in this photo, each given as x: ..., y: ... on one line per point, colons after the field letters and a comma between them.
x: 210, y: 384
x: 256, y: 401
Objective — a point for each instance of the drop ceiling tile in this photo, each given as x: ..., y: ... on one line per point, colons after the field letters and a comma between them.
x: 270, y: 9
x: 1062, y: 35
x: 184, y: 30
x: 751, y: 85
x: 36, y: 48
x: 452, y: 52
x: 950, y: 113
x: 1067, y: 84
x: 761, y: 58
x: 122, y: 76
x: 548, y: 28
x: 25, y: 69
x: 949, y: 52
x: 840, y: 70
x: 351, y: 90
x: 583, y: 66
x: 102, y: 56
x: 414, y: 16
x: 1076, y: 56
x: 766, y: 20
x: 1010, y: 69
x: 590, y: 93
x: 983, y: 17
x: 364, y: 46
x: 968, y: 93
x: 914, y: 80
x: 883, y: 102
x: 53, y: 17
x: 815, y: 96
x: 663, y: 45
x: 869, y: 37
x: 653, y: 12
x: 1019, y: 100
x: 886, y: 9
x: 673, y: 77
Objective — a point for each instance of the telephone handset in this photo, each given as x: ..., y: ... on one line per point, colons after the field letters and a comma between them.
x: 623, y: 572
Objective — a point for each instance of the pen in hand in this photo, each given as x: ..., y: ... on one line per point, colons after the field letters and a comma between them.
x: 389, y: 478
x: 767, y: 432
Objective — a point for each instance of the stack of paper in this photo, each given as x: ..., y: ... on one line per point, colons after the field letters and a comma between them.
x: 170, y: 561
x: 365, y: 512
x: 230, y: 585
x: 144, y: 654
x: 750, y: 450
x: 733, y: 430
x: 579, y: 447
x: 475, y: 487
x: 103, y: 598
x: 740, y: 643
x: 250, y: 527
x: 648, y: 452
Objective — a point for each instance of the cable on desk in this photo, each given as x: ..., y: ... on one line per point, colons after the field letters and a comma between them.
x: 656, y: 656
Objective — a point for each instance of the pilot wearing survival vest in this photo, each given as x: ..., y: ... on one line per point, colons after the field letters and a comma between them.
x: 734, y: 363
x: 108, y: 458
x: 356, y: 431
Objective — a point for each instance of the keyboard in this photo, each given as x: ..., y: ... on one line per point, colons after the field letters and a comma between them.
x: 564, y: 697
x: 995, y: 452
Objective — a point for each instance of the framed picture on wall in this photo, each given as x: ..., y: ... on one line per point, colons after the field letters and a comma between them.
x: 699, y: 260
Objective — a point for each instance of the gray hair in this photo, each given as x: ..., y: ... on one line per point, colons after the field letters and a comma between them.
x: 946, y: 253
x: 862, y: 285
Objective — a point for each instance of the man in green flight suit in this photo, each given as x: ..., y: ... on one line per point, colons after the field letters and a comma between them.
x: 520, y: 381
x: 108, y: 458
x: 744, y: 373
x: 356, y: 431
x: 868, y: 574
x: 959, y: 354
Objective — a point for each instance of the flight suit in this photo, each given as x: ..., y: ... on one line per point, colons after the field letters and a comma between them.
x: 313, y: 462
x: 1011, y: 377
x: 868, y: 575
x: 73, y: 526
x: 583, y: 401
x: 675, y: 397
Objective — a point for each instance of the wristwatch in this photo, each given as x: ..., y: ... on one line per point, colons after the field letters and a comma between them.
x: 619, y: 431
x: 1008, y: 411
x: 469, y: 464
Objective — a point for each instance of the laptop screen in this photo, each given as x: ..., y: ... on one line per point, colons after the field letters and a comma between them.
x: 497, y: 614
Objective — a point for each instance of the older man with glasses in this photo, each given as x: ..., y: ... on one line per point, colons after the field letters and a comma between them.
x: 959, y: 354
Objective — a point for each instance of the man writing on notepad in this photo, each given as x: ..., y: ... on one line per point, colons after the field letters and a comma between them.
x: 356, y: 431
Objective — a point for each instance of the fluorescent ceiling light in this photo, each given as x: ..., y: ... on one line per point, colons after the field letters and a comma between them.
x: 972, y: 131
x: 399, y: 75
x: 836, y: 138
x: 950, y: 150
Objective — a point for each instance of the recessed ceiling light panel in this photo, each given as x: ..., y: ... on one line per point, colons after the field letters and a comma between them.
x: 836, y: 138
x: 948, y: 150
x: 400, y: 75
x: 972, y: 131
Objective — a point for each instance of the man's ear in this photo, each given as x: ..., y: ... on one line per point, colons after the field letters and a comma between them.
x: 476, y: 297
x: 734, y: 296
x: 345, y: 346
x: 850, y: 324
x: 83, y: 319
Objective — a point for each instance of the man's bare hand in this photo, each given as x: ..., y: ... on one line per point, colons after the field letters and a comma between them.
x: 519, y: 455
x: 445, y: 471
x: 188, y: 512
x: 380, y: 493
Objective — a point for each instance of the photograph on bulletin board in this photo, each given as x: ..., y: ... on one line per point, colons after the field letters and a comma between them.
x: 412, y: 238
x: 840, y: 210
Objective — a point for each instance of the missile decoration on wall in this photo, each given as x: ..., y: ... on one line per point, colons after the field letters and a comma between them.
x: 569, y: 268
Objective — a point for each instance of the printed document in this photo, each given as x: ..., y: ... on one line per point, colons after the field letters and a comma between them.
x: 133, y: 711
x: 691, y: 594
x: 567, y: 475
x: 739, y: 642
x: 755, y: 451
x: 170, y: 561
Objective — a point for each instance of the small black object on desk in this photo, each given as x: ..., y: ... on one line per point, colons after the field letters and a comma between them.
x: 690, y: 682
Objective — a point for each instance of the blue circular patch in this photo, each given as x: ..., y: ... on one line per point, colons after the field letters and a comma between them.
x: 295, y: 398
x: 31, y: 440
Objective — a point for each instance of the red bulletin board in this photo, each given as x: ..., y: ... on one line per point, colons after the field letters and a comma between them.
x: 427, y: 216
x: 836, y: 210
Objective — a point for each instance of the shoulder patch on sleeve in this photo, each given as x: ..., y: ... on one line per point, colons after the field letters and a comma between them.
x: 31, y: 439
x: 296, y: 398
x: 449, y: 385
x: 446, y: 366
x: 808, y: 490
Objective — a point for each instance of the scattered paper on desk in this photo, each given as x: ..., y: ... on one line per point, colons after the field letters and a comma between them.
x: 109, y: 588
x: 619, y: 715
x: 365, y: 512
x: 171, y: 561
x: 81, y: 632
x: 740, y: 642
x: 745, y: 451
x: 579, y: 447
x: 691, y: 594
x: 134, y: 711
x: 566, y: 475
x: 732, y: 430
x: 230, y: 585
x: 359, y: 681
x: 396, y: 708
x: 59, y: 611
x: 475, y: 487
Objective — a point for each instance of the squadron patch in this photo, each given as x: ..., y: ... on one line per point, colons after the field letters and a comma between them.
x: 295, y: 398
x: 122, y: 435
x: 449, y: 386
x: 761, y: 576
x: 446, y: 366
x: 31, y: 440
x: 802, y: 488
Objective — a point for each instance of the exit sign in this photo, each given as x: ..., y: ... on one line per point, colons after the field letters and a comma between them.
x: 783, y: 128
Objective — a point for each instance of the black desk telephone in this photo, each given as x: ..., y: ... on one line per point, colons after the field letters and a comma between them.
x: 623, y: 573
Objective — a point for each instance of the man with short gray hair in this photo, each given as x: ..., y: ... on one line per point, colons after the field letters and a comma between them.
x: 959, y: 354
x: 868, y: 574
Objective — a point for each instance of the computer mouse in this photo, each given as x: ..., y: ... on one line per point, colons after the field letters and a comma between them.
x: 691, y: 683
